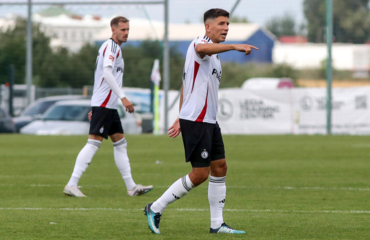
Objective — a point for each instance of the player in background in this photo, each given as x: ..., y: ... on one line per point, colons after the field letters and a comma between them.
x: 201, y: 135
x: 104, y: 116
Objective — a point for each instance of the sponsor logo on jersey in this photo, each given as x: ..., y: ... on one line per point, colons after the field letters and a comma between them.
x: 111, y: 58
x: 218, y: 75
x: 204, y: 154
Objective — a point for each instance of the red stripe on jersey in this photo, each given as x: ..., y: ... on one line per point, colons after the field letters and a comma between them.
x: 117, y: 54
x: 106, y: 100
x: 101, y: 82
x: 104, y: 50
x: 204, y: 111
x: 196, y: 68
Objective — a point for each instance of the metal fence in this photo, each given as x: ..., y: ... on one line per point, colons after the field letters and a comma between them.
x: 20, y: 95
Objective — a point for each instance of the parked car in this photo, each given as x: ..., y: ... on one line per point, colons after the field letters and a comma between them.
x: 70, y: 118
x: 6, y: 122
x: 267, y: 83
x: 38, y: 107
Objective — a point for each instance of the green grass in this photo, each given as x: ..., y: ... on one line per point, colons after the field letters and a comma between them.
x: 279, y: 187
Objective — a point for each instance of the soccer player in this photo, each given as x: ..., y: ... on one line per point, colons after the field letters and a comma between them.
x: 201, y: 135
x: 104, y: 116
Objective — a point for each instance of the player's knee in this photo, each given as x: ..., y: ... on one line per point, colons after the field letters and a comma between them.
x: 198, y: 177
x: 120, y: 144
x: 219, y: 169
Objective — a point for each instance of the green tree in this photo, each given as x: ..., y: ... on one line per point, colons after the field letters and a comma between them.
x: 236, y: 19
x: 13, y: 50
x: 139, y: 62
x: 351, y: 20
x: 282, y: 26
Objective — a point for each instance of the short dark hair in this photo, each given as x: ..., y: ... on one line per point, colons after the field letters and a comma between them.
x: 116, y: 20
x: 215, y: 13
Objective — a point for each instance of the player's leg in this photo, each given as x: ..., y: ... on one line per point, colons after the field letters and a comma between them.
x: 121, y: 158
x: 82, y: 162
x: 97, y: 132
x: 217, y: 185
x: 177, y: 190
x: 196, y: 141
x: 180, y: 188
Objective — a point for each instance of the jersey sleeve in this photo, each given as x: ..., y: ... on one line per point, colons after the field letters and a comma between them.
x: 201, y: 40
x: 110, y: 54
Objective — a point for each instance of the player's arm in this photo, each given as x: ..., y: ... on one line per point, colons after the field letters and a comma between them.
x: 109, y: 78
x: 175, y: 129
x: 215, y: 48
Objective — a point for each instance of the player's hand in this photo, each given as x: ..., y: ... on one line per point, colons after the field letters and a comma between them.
x: 245, y: 48
x: 175, y: 129
x: 89, y: 115
x: 128, y: 105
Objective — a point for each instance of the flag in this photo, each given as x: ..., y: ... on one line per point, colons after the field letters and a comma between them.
x: 156, y: 75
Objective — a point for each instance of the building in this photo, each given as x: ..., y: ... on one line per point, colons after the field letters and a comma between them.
x: 351, y: 57
x: 181, y: 35
x: 67, y: 29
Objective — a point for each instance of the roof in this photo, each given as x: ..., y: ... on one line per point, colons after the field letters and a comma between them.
x: 63, y: 20
x: 141, y: 29
x: 56, y: 11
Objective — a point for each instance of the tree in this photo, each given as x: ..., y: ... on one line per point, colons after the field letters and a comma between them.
x: 13, y: 50
x: 282, y: 26
x: 61, y: 68
x: 236, y: 19
x: 351, y: 20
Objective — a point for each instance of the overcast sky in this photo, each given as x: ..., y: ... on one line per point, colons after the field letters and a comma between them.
x: 258, y: 11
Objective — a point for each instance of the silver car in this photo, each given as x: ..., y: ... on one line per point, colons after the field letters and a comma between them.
x: 70, y: 118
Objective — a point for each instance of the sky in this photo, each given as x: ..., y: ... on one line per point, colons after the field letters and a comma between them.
x: 180, y: 11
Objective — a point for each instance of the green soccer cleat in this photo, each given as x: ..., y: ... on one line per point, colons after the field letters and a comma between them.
x: 225, y: 229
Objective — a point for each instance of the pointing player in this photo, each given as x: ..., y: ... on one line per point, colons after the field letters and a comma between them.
x: 202, y: 138
x: 104, y: 116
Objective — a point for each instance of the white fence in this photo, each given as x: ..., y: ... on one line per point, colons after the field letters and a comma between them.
x: 289, y: 111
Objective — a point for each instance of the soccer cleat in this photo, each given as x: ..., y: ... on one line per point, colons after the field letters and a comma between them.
x: 73, y: 191
x: 225, y: 229
x: 153, y: 219
x: 139, y: 190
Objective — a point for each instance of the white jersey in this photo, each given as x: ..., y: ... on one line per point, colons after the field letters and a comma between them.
x: 201, y: 79
x: 109, y: 55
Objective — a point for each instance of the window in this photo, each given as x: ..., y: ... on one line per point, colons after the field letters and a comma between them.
x: 67, y: 113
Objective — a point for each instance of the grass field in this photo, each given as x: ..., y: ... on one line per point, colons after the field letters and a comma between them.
x: 278, y: 187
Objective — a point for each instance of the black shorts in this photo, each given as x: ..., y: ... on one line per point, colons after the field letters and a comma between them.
x: 202, y: 142
x: 105, y: 122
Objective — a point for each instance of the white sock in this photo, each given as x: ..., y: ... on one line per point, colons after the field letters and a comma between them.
x: 216, y: 198
x: 123, y: 163
x: 177, y: 190
x: 83, y: 161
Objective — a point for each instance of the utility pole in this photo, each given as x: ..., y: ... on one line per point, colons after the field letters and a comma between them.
x: 166, y: 65
x: 329, y: 73
x: 29, y: 53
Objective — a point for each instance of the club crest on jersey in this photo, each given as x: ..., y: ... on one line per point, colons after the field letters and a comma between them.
x: 218, y: 75
x: 204, y: 154
x: 111, y: 58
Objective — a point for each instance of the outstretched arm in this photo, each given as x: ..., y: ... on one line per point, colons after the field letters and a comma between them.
x: 214, y: 48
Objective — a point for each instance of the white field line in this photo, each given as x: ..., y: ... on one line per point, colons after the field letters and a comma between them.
x: 192, y: 210
x: 237, y: 187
